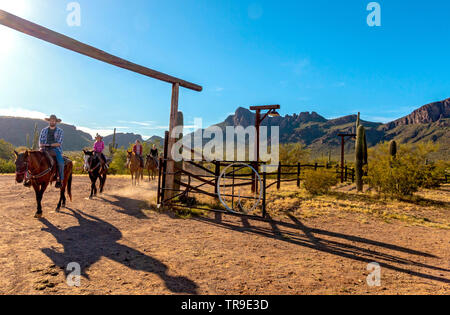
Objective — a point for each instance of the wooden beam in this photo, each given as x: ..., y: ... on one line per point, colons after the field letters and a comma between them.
x: 45, y: 34
x: 265, y: 107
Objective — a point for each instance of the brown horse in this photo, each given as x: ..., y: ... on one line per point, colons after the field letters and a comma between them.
x: 136, y: 170
x: 36, y: 165
x: 151, y: 165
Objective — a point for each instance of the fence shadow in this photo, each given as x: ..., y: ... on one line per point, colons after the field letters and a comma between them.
x: 301, y: 235
x: 94, y: 238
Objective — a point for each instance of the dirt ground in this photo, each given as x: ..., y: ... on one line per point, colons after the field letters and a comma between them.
x: 124, y: 247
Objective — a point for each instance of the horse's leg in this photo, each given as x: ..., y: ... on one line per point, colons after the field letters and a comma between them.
x: 92, y: 185
x: 102, y: 182
x: 39, y: 189
x: 62, y: 198
x: 95, y: 186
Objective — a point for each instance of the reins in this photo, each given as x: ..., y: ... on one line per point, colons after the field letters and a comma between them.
x: 40, y: 175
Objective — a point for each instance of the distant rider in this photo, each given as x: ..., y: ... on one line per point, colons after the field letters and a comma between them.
x: 154, y: 154
x: 138, y: 150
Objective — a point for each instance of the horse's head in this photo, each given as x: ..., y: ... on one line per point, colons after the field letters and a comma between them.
x: 87, y: 159
x: 21, y: 165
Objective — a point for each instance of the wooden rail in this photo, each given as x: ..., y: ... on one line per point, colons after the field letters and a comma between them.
x: 45, y: 34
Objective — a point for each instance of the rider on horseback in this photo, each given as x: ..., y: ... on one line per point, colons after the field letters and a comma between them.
x: 99, y: 146
x: 139, y: 150
x: 154, y: 154
x: 51, y: 139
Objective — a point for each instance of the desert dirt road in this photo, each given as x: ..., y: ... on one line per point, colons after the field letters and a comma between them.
x: 124, y: 247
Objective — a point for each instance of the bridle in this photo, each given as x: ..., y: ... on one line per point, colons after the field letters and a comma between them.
x: 91, y: 170
x: 27, y: 172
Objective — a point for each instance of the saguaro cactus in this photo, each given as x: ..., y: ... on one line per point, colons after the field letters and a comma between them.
x: 35, y: 138
x: 28, y: 141
x: 113, y: 145
x: 359, y: 157
x: 393, y: 148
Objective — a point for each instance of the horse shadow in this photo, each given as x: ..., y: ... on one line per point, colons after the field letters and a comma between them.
x: 128, y: 206
x: 296, y: 232
x: 94, y: 238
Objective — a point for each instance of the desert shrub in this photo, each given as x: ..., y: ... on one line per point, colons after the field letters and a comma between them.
x: 404, y: 174
x: 319, y: 182
x: 6, y: 150
x: 292, y: 153
x: 7, y: 167
x: 118, y: 164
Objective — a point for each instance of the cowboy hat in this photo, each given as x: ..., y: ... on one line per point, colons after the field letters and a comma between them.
x: 53, y: 117
x: 98, y: 136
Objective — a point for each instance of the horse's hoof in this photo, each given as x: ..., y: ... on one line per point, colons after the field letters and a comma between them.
x: 57, y: 209
x: 38, y: 215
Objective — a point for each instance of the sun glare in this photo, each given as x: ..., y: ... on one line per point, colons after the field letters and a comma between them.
x: 7, y: 36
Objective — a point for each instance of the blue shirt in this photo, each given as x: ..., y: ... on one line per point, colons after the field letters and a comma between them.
x: 59, y: 136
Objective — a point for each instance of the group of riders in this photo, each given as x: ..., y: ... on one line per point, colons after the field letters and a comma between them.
x: 51, y: 140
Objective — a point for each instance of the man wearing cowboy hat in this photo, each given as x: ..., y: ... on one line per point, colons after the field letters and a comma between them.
x: 51, y: 139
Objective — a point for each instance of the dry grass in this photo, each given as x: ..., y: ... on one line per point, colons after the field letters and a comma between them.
x: 428, y: 208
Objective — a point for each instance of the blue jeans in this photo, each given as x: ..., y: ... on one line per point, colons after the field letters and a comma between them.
x: 60, y: 161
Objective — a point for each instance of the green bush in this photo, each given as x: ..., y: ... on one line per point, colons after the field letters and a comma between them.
x: 292, y: 153
x: 404, y: 174
x: 6, y: 150
x: 319, y: 182
x: 117, y: 166
x: 7, y: 167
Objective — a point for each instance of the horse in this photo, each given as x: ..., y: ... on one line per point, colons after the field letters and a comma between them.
x: 41, y: 169
x: 134, y: 164
x: 93, y: 166
x: 151, y: 165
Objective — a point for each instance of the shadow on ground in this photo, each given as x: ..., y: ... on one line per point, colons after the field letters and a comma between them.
x: 94, y: 238
x: 313, y: 238
x: 128, y: 206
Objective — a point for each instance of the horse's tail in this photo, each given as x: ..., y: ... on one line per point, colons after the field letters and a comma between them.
x: 69, y: 186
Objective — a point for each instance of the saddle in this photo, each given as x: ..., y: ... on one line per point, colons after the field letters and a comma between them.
x: 51, y: 159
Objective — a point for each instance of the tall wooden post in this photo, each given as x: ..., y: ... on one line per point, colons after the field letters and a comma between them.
x: 172, y: 124
x: 342, y: 157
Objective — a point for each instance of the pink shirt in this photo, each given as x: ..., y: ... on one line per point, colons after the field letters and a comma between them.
x: 99, y: 146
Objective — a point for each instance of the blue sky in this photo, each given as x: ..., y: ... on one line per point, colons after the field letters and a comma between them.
x: 304, y: 55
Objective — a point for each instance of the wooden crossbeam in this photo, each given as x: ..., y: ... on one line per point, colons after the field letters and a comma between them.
x: 45, y: 34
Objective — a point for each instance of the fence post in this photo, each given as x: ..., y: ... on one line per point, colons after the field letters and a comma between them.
x: 346, y: 172
x: 216, y: 176
x: 164, y: 170
x: 158, y: 197
x: 298, y: 174
x: 279, y: 176
x: 264, y: 213
x: 315, y: 166
x: 353, y: 175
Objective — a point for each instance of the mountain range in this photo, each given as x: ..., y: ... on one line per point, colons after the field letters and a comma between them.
x: 430, y: 122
